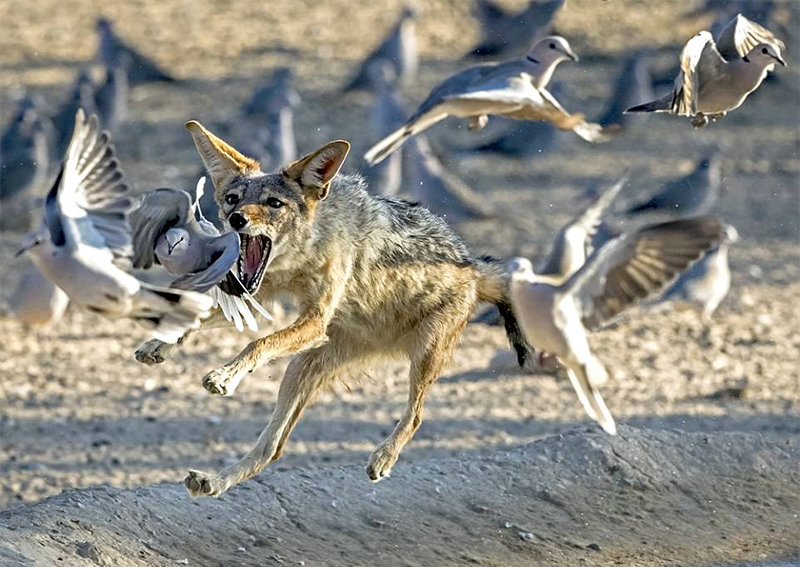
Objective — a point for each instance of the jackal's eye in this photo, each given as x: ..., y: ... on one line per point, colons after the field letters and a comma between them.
x: 232, y: 199
x: 274, y: 203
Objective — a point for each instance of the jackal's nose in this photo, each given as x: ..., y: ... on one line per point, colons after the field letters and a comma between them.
x: 237, y: 221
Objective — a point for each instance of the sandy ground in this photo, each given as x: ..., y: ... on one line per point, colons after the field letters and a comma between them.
x: 582, y: 498
x: 76, y: 410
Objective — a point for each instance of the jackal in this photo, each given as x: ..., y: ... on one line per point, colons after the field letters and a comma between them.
x: 372, y: 276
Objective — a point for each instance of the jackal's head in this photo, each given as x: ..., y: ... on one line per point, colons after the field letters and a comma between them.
x: 272, y: 212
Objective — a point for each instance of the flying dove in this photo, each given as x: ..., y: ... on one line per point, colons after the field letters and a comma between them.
x: 38, y: 302
x: 716, y: 78
x: 505, y: 33
x: 169, y: 228
x: 399, y: 49
x: 576, y: 240
x: 514, y: 89
x: 556, y: 316
x: 691, y: 195
x: 111, y: 48
x: 84, y: 243
x: 708, y: 281
x: 633, y: 84
x: 439, y: 190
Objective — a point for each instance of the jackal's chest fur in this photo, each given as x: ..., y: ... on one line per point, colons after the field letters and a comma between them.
x: 399, y: 264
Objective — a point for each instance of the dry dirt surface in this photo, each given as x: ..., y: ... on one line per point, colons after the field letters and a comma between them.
x: 76, y: 410
x: 581, y: 498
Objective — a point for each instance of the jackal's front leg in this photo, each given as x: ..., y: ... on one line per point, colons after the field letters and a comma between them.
x: 305, y: 333
x: 306, y: 375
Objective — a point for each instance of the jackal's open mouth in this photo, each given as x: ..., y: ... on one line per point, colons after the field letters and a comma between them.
x: 253, y: 258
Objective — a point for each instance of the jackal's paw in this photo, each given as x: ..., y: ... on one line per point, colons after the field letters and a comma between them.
x: 380, y: 463
x: 221, y: 381
x: 153, y: 352
x: 203, y: 484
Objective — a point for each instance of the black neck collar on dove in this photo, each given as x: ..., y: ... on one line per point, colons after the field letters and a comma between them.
x: 531, y: 59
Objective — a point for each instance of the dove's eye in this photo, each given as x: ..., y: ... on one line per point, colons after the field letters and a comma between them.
x: 232, y: 199
x: 552, y: 46
x: 274, y: 203
x: 764, y: 50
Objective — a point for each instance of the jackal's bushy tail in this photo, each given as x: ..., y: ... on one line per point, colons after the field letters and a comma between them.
x: 493, y: 288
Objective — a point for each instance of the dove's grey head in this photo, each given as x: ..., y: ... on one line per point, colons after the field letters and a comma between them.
x: 545, y: 55
x: 520, y: 267
x: 765, y: 54
x: 177, y: 240
x: 552, y: 49
x: 103, y: 25
x: 729, y: 234
x: 32, y: 242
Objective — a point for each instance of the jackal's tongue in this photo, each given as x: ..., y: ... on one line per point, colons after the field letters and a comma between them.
x: 252, y: 257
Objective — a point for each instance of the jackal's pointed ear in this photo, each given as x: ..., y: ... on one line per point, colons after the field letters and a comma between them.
x: 315, y: 171
x: 222, y: 160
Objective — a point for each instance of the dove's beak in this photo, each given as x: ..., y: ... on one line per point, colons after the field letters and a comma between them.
x: 572, y: 56
x: 780, y: 60
x: 28, y: 242
x: 24, y: 248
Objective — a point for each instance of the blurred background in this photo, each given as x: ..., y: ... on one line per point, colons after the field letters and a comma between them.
x: 75, y: 409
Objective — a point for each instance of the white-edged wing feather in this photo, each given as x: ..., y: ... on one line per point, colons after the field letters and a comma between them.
x: 741, y: 35
x: 93, y: 192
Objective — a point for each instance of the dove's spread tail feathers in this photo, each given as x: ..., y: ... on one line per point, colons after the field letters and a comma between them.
x: 393, y: 141
x: 170, y: 312
x: 663, y: 104
x: 493, y: 288
x: 583, y: 378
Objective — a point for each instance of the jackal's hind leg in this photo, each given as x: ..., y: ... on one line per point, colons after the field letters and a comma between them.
x: 426, y: 366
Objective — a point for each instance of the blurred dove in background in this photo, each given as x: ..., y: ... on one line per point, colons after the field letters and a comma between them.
x: 556, y: 315
x: 272, y: 106
x: 716, y: 78
x: 691, y: 195
x: 440, y: 190
x: 274, y: 94
x: 510, y: 33
x: 37, y: 301
x: 111, y: 49
x: 84, y: 243
x: 513, y: 89
x: 111, y: 98
x: 82, y: 96
x: 169, y: 228
x: 386, y: 177
x: 633, y: 84
x: 24, y: 151
x: 708, y: 281
x: 399, y: 49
